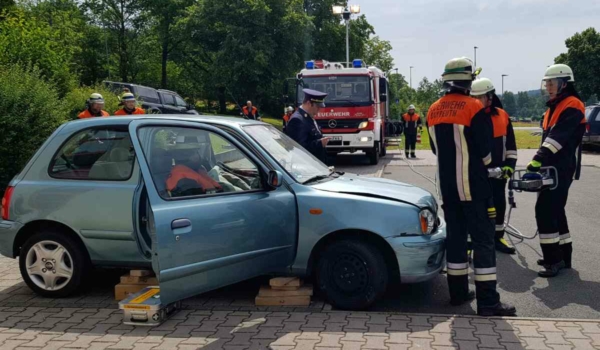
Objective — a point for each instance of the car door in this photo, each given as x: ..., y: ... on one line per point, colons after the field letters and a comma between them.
x: 209, y: 233
x: 169, y: 103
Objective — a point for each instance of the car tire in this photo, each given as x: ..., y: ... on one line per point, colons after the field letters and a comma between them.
x: 374, y: 154
x: 63, y: 264
x: 351, y: 274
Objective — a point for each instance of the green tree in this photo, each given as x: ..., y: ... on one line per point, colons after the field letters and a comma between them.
x: 523, y: 104
x: 583, y: 56
x: 509, y: 103
x: 377, y: 53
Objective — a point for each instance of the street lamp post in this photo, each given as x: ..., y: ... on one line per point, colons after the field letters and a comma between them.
x: 346, y: 12
x: 411, y: 67
x: 503, y: 75
x: 475, y: 52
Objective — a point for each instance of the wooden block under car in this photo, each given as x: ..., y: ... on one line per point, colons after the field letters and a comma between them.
x: 128, y: 279
x: 122, y: 291
x: 141, y: 273
x: 283, y: 301
x: 306, y: 290
x: 285, y: 282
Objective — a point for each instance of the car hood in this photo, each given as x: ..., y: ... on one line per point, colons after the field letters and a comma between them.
x: 379, y: 188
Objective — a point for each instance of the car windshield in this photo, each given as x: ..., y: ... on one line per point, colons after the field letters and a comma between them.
x: 341, y: 90
x: 298, y: 162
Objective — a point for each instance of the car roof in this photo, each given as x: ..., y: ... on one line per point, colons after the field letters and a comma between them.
x: 125, y: 120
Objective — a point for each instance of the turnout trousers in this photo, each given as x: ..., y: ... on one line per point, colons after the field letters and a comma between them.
x: 499, y: 193
x: 551, y: 218
x: 410, y: 143
x: 462, y: 219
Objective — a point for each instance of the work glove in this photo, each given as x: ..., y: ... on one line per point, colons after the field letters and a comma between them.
x: 534, y: 166
x: 507, y: 172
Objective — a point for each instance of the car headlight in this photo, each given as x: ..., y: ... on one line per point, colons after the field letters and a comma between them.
x: 363, y: 125
x: 427, y: 219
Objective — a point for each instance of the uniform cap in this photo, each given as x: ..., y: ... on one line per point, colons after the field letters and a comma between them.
x: 315, y: 96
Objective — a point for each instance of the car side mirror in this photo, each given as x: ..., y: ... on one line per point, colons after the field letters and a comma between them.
x: 275, y: 179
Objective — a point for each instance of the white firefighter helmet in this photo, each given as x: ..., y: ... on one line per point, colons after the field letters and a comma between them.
x: 559, y: 71
x: 290, y: 109
x: 411, y: 107
x: 481, y: 86
x: 458, y: 69
x: 96, y: 98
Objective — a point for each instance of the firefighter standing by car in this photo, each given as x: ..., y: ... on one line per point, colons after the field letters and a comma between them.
x: 129, y: 107
x: 461, y: 137
x: 286, y: 117
x: 504, y: 153
x: 95, y: 107
x: 563, y: 129
x: 304, y: 129
x: 412, y: 125
x: 250, y: 112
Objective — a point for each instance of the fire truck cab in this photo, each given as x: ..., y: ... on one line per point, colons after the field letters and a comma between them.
x: 356, y: 105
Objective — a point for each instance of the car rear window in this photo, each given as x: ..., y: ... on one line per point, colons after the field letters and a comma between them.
x: 104, y: 154
x: 147, y: 94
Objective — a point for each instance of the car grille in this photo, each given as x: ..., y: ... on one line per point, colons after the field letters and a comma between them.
x: 341, y: 123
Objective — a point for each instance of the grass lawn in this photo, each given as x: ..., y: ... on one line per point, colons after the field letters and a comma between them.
x: 276, y: 122
x: 525, y: 125
x: 524, y: 141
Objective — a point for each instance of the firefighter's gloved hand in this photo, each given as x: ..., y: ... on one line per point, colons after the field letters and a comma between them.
x: 534, y: 166
x: 507, y: 172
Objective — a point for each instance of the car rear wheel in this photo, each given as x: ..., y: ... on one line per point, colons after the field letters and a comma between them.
x: 53, y: 264
x: 351, y: 274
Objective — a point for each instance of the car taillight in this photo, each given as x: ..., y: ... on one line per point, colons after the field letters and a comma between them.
x: 6, y: 202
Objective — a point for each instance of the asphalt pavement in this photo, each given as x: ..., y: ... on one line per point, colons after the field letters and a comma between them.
x: 573, y: 294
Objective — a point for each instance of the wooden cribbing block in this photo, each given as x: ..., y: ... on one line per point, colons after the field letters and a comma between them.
x: 302, y: 291
x: 284, y: 283
x: 141, y: 273
x: 147, y: 281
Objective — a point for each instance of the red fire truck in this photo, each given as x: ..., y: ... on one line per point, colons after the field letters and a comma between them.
x: 356, y: 105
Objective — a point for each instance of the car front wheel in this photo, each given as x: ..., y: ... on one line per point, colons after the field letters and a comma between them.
x: 53, y: 264
x: 351, y: 274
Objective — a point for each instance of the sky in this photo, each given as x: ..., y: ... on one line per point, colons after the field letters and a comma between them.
x: 515, y: 37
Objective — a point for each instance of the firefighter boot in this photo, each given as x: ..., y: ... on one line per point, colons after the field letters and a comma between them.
x: 468, y: 298
x: 540, y: 262
x: 412, y: 155
x: 552, y: 270
x: 499, y: 310
x: 407, y: 155
x: 503, y: 246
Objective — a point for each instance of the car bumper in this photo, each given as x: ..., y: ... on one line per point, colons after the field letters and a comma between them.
x: 420, y: 258
x: 362, y: 140
x: 8, y: 232
x: 591, y: 139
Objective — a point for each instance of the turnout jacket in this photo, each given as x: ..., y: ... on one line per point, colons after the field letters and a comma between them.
x: 504, y: 151
x: 461, y: 136
x: 563, y: 128
x: 411, y: 122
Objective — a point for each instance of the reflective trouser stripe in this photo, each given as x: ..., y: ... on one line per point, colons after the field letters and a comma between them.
x: 461, y: 272
x: 499, y: 228
x: 552, y: 145
x: 549, y: 238
x: 565, y: 239
x: 485, y: 278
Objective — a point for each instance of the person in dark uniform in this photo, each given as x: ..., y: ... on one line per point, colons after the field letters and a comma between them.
x: 461, y: 137
x: 412, y: 125
x: 504, y: 154
x: 564, y: 126
x: 303, y: 129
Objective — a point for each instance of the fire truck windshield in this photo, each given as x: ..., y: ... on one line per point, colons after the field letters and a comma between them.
x: 342, y: 90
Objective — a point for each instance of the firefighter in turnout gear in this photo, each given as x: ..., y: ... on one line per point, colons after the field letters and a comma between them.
x: 95, y: 107
x: 461, y: 137
x: 304, y: 129
x: 563, y: 128
x: 504, y: 154
x: 129, y: 108
x: 412, y: 124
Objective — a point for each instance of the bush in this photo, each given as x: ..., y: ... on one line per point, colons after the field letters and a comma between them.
x: 30, y: 110
x: 75, y: 100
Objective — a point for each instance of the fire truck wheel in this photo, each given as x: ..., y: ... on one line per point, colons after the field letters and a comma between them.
x: 374, y: 154
x: 352, y: 274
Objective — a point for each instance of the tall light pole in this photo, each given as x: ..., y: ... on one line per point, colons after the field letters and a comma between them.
x: 503, y: 75
x: 475, y: 51
x: 346, y: 12
x: 411, y: 67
